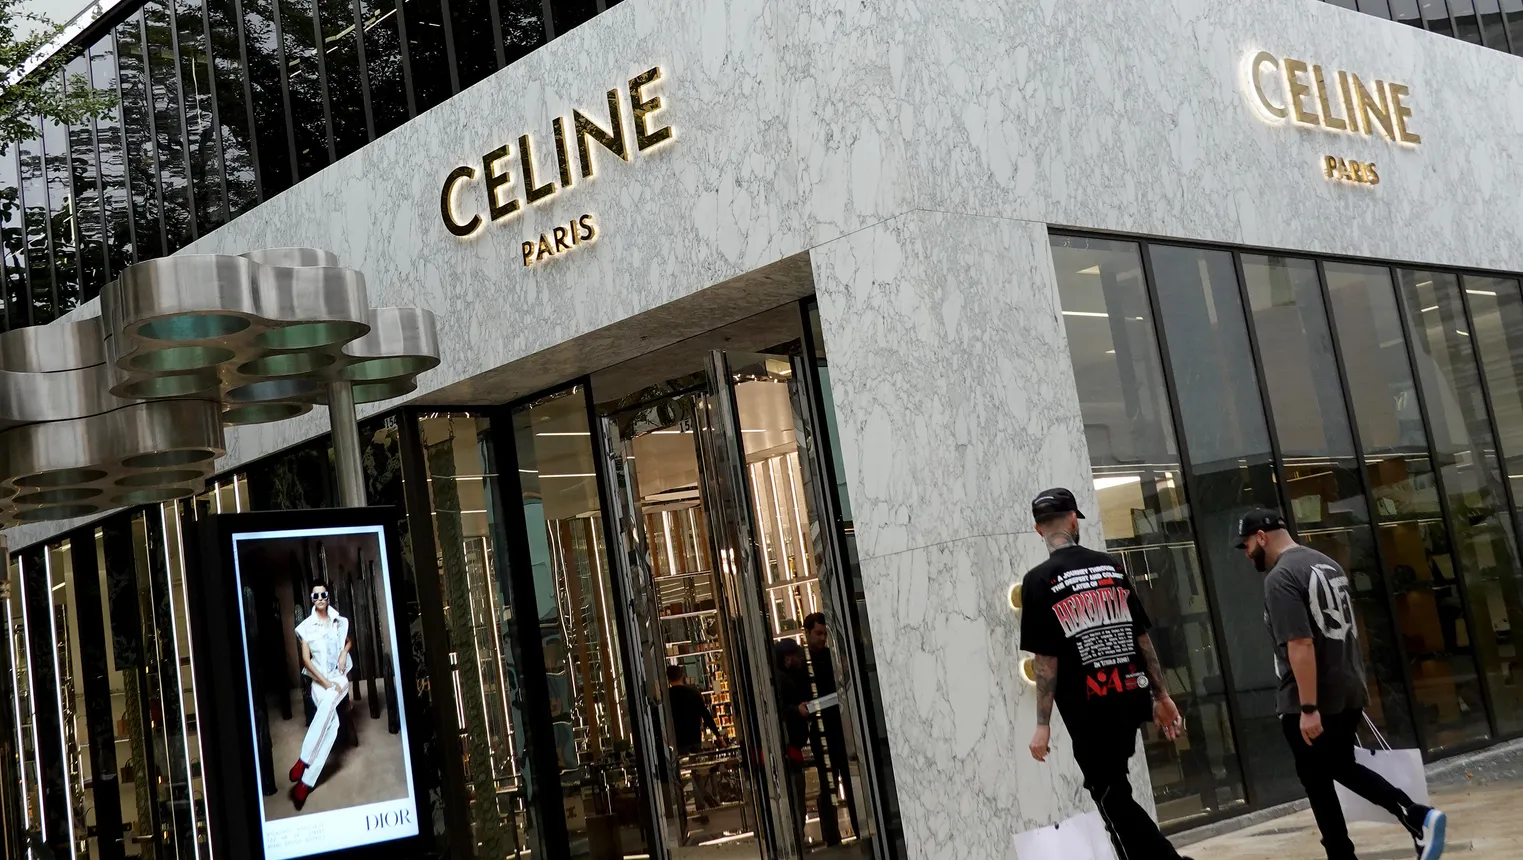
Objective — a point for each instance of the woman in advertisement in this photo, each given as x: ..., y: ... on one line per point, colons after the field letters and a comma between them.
x: 325, y: 643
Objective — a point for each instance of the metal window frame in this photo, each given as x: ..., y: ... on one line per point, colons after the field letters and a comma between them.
x: 1440, y: 483
x: 447, y: 18
x: 285, y: 90
x: 211, y: 85
x: 153, y: 130
x: 1419, y: 729
x: 320, y: 60
x: 1191, y: 483
x: 502, y: 51
x: 179, y: 103
x: 100, y: 183
x: 402, y: 45
x: 364, y: 67
x: 248, y: 107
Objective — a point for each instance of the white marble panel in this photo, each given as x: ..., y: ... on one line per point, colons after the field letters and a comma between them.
x: 954, y: 391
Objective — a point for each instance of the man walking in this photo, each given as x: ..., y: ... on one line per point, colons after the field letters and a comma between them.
x: 1322, y: 696
x: 1082, y: 620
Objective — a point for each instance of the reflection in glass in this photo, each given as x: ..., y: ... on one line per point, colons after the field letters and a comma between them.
x: 1493, y: 28
x: 1496, y: 311
x: 523, y: 27
x: 383, y: 64
x: 298, y: 29
x: 1512, y: 13
x: 425, y: 52
x: 201, y: 144
x: 142, y: 172
x: 1436, y: 14
x: 34, y: 199
x: 341, y: 60
x: 578, y: 626
x: 13, y: 241
x: 1144, y: 514
x: 1322, y: 486
x: 173, y: 160
x: 1470, y: 476
x: 1414, y: 544
x: 1227, y: 440
x: 69, y: 677
x: 1466, y: 25
x: 567, y: 14
x: 488, y: 703
x: 475, y: 48
x: 237, y: 145
x: 266, y: 59
x: 88, y: 228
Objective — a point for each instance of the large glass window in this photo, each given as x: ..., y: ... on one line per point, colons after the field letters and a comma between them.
x: 425, y: 51
x: 1414, y: 544
x: 1144, y: 513
x: 1493, y: 29
x: 63, y: 226
x: 141, y: 143
x: 266, y: 59
x: 1322, y: 482
x: 523, y: 26
x: 341, y: 60
x: 173, y: 165
x: 566, y: 14
x: 1470, y: 477
x: 89, y: 228
x: 1496, y: 314
x: 383, y: 64
x: 13, y: 240
x: 112, y: 161
x: 1436, y: 16
x: 232, y: 106
x: 475, y: 40
x: 39, y: 251
x: 579, y: 624
x: 201, y: 143
x: 298, y: 29
x: 1407, y: 12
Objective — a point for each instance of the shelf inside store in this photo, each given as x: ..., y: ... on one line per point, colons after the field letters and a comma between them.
x: 692, y: 614
x: 687, y: 575
x: 804, y: 580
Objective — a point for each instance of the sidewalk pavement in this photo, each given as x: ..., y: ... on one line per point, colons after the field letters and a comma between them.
x: 1482, y: 794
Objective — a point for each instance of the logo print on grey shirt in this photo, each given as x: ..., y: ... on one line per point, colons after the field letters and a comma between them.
x: 1331, y: 604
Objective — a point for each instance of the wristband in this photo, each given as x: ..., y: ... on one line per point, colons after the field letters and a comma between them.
x: 1308, y: 709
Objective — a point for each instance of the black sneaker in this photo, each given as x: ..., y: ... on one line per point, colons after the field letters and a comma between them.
x: 1427, y: 826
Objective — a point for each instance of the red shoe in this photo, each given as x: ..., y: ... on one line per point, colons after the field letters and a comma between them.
x: 297, y: 770
x: 299, y: 794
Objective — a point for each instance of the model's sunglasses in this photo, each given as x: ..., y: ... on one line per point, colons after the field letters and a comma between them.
x: 319, y: 595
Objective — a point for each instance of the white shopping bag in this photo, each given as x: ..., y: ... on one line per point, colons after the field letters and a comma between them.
x: 1401, y: 768
x: 1082, y: 837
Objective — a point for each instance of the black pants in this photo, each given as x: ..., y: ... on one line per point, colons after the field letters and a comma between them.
x: 1329, y: 759
x: 1103, y: 754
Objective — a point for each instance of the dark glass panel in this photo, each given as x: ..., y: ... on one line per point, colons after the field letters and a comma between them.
x: 1414, y: 543
x: 1512, y: 12
x: 232, y: 107
x: 142, y: 145
x: 1144, y: 513
x: 1347, y: 4
x: 571, y: 13
x: 89, y: 229
x: 1407, y: 12
x: 1227, y: 440
x: 1436, y: 16
x: 475, y: 47
x: 341, y: 59
x: 13, y: 237
x: 201, y: 142
x: 1375, y: 7
x: 271, y: 126
x: 425, y: 51
x: 297, y: 28
x: 1496, y: 309
x: 173, y: 165
x: 523, y: 26
x: 112, y: 161
x: 1322, y: 486
x: 1493, y: 28
x: 1480, y: 520
x: 39, y: 253
x: 1466, y: 25
x: 383, y: 64
x: 63, y: 225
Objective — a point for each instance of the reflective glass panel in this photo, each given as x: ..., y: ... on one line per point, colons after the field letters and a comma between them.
x: 13, y: 240
x: 261, y: 39
x: 475, y: 40
x: 567, y: 14
x: 341, y: 60
x: 1466, y: 25
x: 383, y: 64
x: 1144, y: 513
x: 89, y: 228
x: 1414, y: 542
x: 1480, y: 520
x: 141, y: 144
x: 74, y: 730
x: 298, y: 29
x: 1496, y: 311
x: 232, y: 106
x: 523, y: 26
x: 1227, y: 440
x: 1322, y: 486
x: 1493, y: 28
x: 579, y: 625
x: 1407, y: 12
x: 63, y: 224
x: 425, y: 51
x: 1375, y: 7
x: 112, y: 161
x: 1512, y: 14
x: 39, y: 252
x: 174, y: 162
x: 201, y: 144
x: 1436, y: 16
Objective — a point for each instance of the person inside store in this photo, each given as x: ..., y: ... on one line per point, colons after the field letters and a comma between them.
x: 1082, y: 620
x: 826, y: 737
x: 325, y: 644
x: 792, y: 681
x: 689, y: 716
x: 1310, y: 613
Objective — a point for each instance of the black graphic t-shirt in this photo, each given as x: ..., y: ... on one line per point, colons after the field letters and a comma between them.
x: 1079, y: 607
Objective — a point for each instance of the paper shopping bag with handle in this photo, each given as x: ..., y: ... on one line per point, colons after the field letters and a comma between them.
x: 1082, y: 837
x: 1401, y: 768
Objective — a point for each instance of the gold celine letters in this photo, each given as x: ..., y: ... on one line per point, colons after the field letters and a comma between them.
x: 579, y: 132
x: 1335, y: 100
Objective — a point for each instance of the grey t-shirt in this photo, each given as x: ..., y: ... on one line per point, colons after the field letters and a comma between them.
x: 1307, y: 596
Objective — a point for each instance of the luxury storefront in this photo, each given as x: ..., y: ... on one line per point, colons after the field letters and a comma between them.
x: 743, y: 318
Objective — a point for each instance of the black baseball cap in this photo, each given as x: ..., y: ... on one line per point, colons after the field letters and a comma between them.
x: 1257, y: 520
x: 1054, y: 501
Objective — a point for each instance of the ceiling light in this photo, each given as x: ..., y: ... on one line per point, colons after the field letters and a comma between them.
x: 1092, y: 270
x: 1085, y: 314
x: 572, y: 475
x: 1481, y: 292
x: 1431, y: 308
x: 1463, y: 332
x: 1110, y: 352
x: 567, y: 433
x: 1109, y: 481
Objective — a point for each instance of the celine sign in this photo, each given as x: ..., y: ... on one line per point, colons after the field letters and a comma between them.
x: 506, y: 194
x: 1336, y: 100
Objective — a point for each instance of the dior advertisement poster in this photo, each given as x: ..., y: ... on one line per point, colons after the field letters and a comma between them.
x: 330, y: 737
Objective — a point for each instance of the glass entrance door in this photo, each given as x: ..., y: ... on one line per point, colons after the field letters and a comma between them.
x: 723, y: 560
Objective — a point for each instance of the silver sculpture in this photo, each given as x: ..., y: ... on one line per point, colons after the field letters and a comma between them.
x: 128, y: 407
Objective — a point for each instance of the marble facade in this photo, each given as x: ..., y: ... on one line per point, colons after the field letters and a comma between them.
x: 915, y: 155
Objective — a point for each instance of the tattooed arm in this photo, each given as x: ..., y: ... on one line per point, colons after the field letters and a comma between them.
x: 1165, y: 713
x: 1046, y: 671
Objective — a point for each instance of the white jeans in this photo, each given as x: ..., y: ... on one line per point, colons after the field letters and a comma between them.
x: 324, y: 729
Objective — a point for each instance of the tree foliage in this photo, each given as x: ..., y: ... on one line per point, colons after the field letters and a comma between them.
x: 47, y: 92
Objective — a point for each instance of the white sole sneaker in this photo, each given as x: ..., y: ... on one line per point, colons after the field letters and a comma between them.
x: 1432, y: 844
